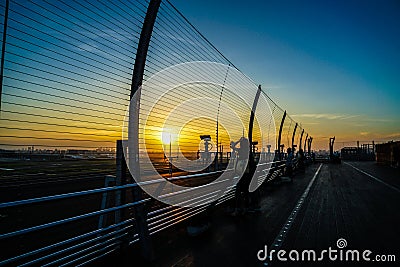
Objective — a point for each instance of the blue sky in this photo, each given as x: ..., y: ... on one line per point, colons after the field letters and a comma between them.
x: 334, y: 65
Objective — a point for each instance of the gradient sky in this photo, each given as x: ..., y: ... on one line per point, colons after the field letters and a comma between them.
x: 333, y: 65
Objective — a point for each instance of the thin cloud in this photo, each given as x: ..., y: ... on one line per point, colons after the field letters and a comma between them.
x: 325, y: 116
x: 393, y: 135
x: 310, y: 123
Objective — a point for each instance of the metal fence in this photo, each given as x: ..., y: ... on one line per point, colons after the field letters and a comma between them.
x: 69, y: 170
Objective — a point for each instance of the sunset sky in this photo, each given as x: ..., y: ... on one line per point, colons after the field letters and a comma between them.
x: 333, y: 65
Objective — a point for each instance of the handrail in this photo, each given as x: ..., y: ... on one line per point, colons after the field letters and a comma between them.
x: 36, y: 251
x: 75, y: 218
x: 99, y: 190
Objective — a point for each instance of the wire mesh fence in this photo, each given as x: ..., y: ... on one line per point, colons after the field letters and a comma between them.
x: 66, y: 100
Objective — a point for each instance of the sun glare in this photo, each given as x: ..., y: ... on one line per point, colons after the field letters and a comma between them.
x: 166, y: 138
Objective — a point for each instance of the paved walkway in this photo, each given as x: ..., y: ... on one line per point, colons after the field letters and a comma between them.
x: 356, y: 201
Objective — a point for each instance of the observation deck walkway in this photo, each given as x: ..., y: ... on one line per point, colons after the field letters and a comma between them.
x: 356, y: 201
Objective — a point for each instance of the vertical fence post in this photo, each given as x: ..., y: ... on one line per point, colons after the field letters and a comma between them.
x: 216, y: 168
x: 120, y: 179
x: 252, y: 164
x: 133, y: 129
x: 331, y: 142
x: 305, y: 144
x: 373, y: 147
x: 3, y: 48
x: 301, y: 139
x: 280, y: 135
x: 251, y: 122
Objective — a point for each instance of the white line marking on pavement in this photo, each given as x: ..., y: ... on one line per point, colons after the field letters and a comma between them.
x: 373, y: 177
x: 286, y: 226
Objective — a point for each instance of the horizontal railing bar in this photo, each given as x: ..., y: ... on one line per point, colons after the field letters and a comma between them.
x: 66, y: 195
x: 191, y: 189
x: 133, y: 241
x: 182, y: 219
x: 97, y: 257
x: 76, y: 238
x: 116, y: 238
x: 271, y: 162
x: 160, y: 210
x: 77, y: 245
x: 165, y: 219
x: 149, y: 219
x: 93, y: 191
x: 197, y: 175
x: 75, y: 218
x: 177, y: 178
x: 163, y: 214
x: 225, y: 198
x: 93, y: 252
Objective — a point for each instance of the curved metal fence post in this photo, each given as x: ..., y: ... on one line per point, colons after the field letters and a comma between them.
x: 301, y: 139
x: 294, y: 133
x: 309, y: 145
x: 280, y: 135
x: 251, y: 122
x: 305, y: 144
x: 133, y: 129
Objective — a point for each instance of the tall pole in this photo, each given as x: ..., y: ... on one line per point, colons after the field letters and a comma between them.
x: 170, y: 155
x: 251, y: 122
x: 301, y: 139
x: 305, y: 144
x: 133, y: 129
x: 280, y: 135
x: 252, y: 164
x: 294, y: 133
x: 216, y: 168
x: 331, y: 142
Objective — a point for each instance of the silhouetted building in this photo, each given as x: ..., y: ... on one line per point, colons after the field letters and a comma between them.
x: 388, y: 154
x: 365, y: 152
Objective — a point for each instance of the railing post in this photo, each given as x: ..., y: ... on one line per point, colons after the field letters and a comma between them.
x: 301, y: 139
x: 250, y: 135
x: 252, y: 164
x: 120, y: 179
x: 294, y: 133
x: 280, y: 135
x: 305, y: 144
x: 331, y: 142
x: 216, y: 168
x: 251, y: 122
x: 133, y: 129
